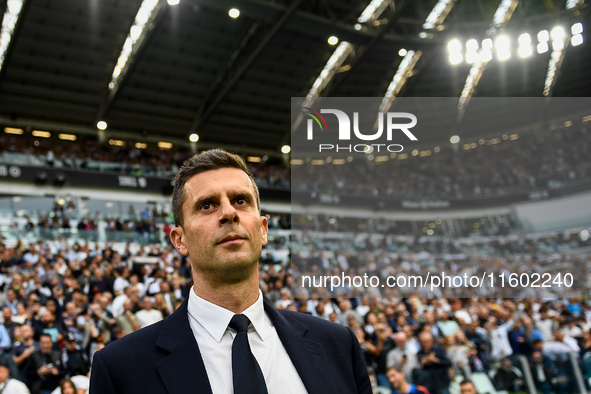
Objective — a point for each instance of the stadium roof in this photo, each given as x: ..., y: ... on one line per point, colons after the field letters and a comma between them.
x: 194, y: 69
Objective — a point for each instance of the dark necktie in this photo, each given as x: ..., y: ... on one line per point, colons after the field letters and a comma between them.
x: 246, y: 372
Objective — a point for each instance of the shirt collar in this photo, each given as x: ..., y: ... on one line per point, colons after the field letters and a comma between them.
x: 215, y: 319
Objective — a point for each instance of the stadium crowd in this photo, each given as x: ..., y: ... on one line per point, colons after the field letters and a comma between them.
x: 127, y: 158
x: 62, y: 303
x: 537, y: 160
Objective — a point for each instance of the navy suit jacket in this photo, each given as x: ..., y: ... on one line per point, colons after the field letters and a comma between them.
x: 165, y: 358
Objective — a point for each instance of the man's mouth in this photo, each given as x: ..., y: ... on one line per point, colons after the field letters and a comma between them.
x: 231, y: 239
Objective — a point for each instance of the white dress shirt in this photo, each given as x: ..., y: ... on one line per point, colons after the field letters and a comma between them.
x: 209, y: 323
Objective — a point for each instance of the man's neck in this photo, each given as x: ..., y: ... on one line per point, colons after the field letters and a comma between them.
x: 235, y: 297
x: 404, y: 388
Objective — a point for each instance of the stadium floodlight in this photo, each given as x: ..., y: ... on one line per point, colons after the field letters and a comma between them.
x: 13, y: 10
x: 455, y: 58
x: 173, y: 2
x: 373, y: 10
x: 438, y: 14
x: 101, y: 125
x: 234, y: 13
x: 557, y: 45
x: 455, y: 51
x: 577, y: 28
x: 557, y: 33
x: 543, y: 36
x: 525, y: 48
x: 454, y: 46
x: 454, y: 139
x: 471, y: 51
x: 487, y: 43
x: 285, y: 149
x: 576, y: 40
x: 543, y: 47
x: 332, y: 40
x: 503, y: 48
x: 13, y: 130
x: 402, y: 52
x: 194, y: 137
x: 145, y: 14
x: 402, y: 73
x: 524, y: 39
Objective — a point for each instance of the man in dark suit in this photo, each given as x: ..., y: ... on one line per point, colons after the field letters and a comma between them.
x: 225, y: 338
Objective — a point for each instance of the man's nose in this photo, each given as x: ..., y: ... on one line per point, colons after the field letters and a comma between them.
x: 228, y: 213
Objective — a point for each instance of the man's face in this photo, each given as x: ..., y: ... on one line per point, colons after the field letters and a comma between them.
x: 45, y: 344
x: 467, y: 388
x: 223, y: 232
x: 4, y: 372
x: 395, y: 377
x: 426, y: 342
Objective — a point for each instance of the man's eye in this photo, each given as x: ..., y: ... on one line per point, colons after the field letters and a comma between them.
x: 241, y: 201
x: 205, y: 206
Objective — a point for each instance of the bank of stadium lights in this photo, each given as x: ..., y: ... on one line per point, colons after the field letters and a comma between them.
x: 234, y: 13
x: 13, y: 10
x: 438, y: 14
x: 101, y: 125
x: 373, y: 10
x: 194, y: 137
x: 173, y: 2
x: 135, y: 32
x: 555, y: 39
x: 285, y: 149
x: 332, y: 40
x: 402, y: 52
x: 454, y: 139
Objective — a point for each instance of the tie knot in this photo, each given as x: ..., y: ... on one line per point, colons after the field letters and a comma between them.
x: 239, y: 323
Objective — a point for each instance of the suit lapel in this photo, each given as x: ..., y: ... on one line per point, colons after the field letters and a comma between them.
x: 177, y: 338
x: 307, y: 356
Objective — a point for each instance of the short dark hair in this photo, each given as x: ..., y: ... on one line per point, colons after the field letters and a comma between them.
x: 213, y: 159
x: 467, y: 381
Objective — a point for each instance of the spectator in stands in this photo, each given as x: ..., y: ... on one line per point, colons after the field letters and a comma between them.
x: 10, y: 385
x: 507, y: 377
x: 9, y: 324
x: 396, y: 377
x: 434, y: 364
x: 403, y: 355
x: 45, y: 369
x: 467, y: 387
x: 147, y: 315
x: 346, y: 311
x: 127, y: 320
x: 75, y: 361
x: 384, y: 343
x: 22, y: 350
x: 541, y: 374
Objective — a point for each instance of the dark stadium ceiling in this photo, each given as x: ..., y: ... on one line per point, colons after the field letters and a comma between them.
x: 231, y: 80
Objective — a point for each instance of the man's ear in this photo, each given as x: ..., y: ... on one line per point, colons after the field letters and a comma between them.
x: 265, y: 228
x: 177, y: 236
